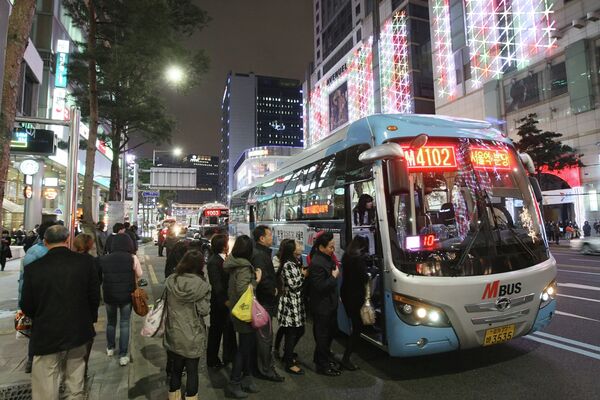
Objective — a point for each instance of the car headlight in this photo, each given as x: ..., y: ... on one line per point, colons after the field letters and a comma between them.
x: 415, y: 312
x: 548, y: 294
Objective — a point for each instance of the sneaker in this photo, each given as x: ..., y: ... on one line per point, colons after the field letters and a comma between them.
x: 123, y: 361
x: 110, y: 352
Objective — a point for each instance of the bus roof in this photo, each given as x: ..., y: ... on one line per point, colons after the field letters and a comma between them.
x: 212, y: 206
x: 373, y: 130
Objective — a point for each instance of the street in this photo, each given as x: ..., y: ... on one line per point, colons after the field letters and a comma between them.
x: 561, y: 362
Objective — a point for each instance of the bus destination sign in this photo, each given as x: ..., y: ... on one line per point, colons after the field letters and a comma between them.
x: 426, y: 158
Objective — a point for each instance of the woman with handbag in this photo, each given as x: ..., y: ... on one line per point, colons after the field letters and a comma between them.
x: 119, y: 272
x: 354, y: 291
x: 187, y: 303
x: 291, y: 314
x: 241, y: 275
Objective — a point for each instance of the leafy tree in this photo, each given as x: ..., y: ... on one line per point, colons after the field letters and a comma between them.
x: 19, y: 26
x: 544, y: 147
x: 139, y: 39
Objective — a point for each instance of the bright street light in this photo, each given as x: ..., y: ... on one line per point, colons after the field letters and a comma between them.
x: 175, y: 74
x: 177, y: 151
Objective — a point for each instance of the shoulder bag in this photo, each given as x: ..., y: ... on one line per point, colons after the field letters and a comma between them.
x: 139, y: 299
x: 367, y: 312
x: 154, y: 324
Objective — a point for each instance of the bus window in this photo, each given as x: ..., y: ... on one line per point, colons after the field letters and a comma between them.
x: 363, y: 215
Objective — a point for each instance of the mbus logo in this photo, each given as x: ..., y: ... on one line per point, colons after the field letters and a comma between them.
x: 495, y: 289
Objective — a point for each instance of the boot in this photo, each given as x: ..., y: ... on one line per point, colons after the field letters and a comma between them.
x: 234, y: 390
x: 194, y: 397
x: 175, y: 395
x: 249, y: 386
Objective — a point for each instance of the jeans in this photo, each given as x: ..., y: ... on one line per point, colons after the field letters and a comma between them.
x: 111, y: 326
x: 191, y: 368
x: 242, y: 363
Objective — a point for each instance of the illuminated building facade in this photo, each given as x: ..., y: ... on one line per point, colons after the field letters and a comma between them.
x: 358, y: 73
x: 260, y: 161
x: 502, y: 60
x: 257, y: 111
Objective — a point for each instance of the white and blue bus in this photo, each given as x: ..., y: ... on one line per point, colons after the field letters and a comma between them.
x: 459, y: 254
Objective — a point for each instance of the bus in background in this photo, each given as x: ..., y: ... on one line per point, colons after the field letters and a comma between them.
x: 459, y: 254
x: 211, y: 217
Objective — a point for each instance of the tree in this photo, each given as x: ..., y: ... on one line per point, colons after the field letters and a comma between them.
x: 138, y: 37
x: 547, y: 152
x: 19, y: 26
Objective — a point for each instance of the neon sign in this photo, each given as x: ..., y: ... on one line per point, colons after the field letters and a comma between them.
x: 494, y: 159
x: 439, y: 158
x: 316, y: 209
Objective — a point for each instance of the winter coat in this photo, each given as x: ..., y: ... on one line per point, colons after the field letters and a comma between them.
x: 322, y: 285
x: 61, y: 294
x: 116, y: 271
x: 241, y: 274
x: 266, y: 292
x: 290, y: 312
x: 188, y: 302
x: 219, y: 281
x: 353, y: 291
x: 35, y: 252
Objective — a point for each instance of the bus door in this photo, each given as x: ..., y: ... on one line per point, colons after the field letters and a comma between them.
x: 361, y: 216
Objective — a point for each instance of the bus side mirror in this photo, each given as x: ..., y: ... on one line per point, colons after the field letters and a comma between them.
x: 397, y: 166
x: 537, y: 190
x: 397, y: 173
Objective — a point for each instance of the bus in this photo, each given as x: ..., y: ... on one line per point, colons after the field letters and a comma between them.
x: 459, y: 256
x: 211, y: 216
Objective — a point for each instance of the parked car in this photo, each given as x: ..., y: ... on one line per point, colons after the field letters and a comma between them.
x: 588, y: 245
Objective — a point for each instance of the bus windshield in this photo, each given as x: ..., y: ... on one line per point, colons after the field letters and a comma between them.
x: 470, y: 212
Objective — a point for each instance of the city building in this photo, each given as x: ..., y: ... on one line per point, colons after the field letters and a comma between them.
x: 257, y: 111
x: 370, y: 57
x: 44, y: 86
x: 500, y: 61
x: 260, y: 161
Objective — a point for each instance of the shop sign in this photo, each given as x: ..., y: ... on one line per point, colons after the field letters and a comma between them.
x: 60, y: 78
x: 50, y: 193
x: 29, y: 167
x: 27, y: 192
x: 59, y: 106
x: 33, y: 141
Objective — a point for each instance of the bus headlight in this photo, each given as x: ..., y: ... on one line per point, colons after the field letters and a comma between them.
x: 415, y: 312
x: 548, y: 294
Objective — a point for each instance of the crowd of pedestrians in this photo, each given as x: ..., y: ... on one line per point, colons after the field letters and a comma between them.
x: 567, y: 230
x: 61, y: 291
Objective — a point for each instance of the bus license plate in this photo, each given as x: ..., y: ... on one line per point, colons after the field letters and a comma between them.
x: 499, y: 335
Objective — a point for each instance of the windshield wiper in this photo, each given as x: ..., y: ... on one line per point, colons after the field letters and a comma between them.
x: 458, y: 265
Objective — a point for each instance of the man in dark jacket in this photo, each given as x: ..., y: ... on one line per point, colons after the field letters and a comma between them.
x: 266, y: 294
x: 61, y: 294
x: 117, y: 229
x: 118, y: 272
x: 220, y: 323
x: 132, y: 235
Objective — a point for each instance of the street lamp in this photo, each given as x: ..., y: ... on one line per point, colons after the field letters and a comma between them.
x: 175, y: 74
x: 176, y: 152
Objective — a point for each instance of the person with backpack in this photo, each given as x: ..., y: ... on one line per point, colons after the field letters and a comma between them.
x: 187, y: 303
x: 290, y: 312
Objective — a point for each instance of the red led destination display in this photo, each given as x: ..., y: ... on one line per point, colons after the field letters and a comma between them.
x: 421, y: 242
x: 212, y: 213
x: 490, y: 158
x: 428, y: 158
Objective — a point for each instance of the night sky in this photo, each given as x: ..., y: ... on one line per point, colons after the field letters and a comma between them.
x: 267, y: 37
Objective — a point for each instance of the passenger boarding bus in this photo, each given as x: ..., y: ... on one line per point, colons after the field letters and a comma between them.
x: 459, y: 254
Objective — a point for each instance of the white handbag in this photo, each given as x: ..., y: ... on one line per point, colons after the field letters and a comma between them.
x: 367, y: 312
x: 154, y: 323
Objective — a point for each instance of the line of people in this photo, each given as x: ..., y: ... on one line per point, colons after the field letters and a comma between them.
x: 196, y: 294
